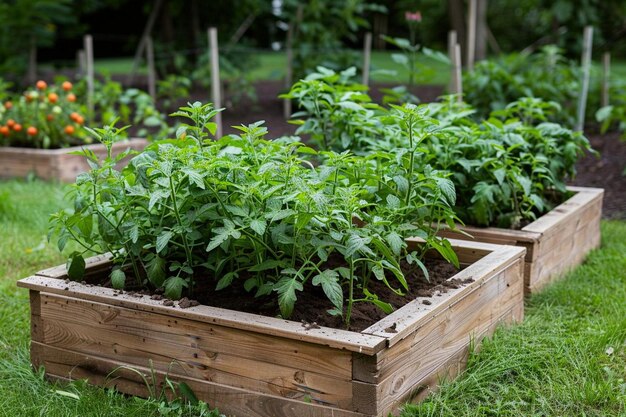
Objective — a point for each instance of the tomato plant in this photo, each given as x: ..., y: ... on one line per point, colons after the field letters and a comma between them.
x: 42, y: 117
x: 507, y: 169
x: 262, y: 216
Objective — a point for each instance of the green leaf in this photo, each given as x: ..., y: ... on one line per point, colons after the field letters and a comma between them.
x: 357, y: 243
x: 163, y: 239
x: 447, y: 189
x: 393, y: 201
x: 258, y: 226
x: 118, y: 279
x: 329, y: 279
x: 396, y: 242
x: 155, y: 270
x: 226, y: 280
x: 174, y: 287
x: 75, y: 266
x: 286, y: 289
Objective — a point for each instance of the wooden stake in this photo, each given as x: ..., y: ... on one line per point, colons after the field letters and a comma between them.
x: 586, y: 64
x: 457, y: 79
x: 367, y: 52
x: 215, y: 78
x: 81, y: 63
x: 151, y: 70
x: 606, y: 77
x: 88, y: 45
x: 142, y: 44
x: 452, y: 41
x: 471, y: 34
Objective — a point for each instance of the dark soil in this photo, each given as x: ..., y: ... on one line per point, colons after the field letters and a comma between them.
x: 606, y: 171
x: 312, y: 305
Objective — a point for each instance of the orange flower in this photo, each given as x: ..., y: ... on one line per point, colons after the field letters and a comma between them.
x: 74, y: 116
x: 10, y: 122
x: 80, y: 120
x: 67, y: 86
x: 69, y: 129
x: 8, y: 105
x: 41, y: 85
x: 53, y: 97
x: 17, y: 127
x: 50, y: 117
x: 71, y: 97
x: 31, y: 131
x: 4, y: 130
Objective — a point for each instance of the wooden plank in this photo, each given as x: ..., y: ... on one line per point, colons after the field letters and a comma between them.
x: 36, y: 327
x: 336, y: 338
x: 428, y: 351
x: 207, y: 352
x: 93, y: 265
x: 414, y: 314
x: 568, y: 208
x: 231, y: 401
x: 49, y: 164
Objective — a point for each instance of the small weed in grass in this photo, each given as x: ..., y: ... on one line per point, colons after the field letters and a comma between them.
x: 568, y: 358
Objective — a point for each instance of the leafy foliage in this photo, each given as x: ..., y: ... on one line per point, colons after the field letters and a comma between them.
x: 259, y: 215
x: 508, y: 168
x: 44, y: 117
x: 546, y: 74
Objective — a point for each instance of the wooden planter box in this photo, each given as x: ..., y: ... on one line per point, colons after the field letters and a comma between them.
x: 556, y: 242
x: 55, y: 164
x: 250, y: 365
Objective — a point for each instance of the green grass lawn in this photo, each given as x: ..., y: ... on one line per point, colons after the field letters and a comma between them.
x: 272, y: 65
x: 568, y: 357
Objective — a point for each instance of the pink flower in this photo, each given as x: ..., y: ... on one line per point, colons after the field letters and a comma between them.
x: 413, y: 16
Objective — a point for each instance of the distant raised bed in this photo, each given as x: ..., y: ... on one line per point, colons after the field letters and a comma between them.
x: 55, y: 164
x: 251, y: 365
x: 556, y: 242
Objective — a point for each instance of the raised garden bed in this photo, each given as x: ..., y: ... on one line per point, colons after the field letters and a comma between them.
x: 556, y: 242
x: 55, y: 164
x: 251, y: 365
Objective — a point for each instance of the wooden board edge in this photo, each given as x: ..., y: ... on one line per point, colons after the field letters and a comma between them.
x: 414, y: 314
x: 583, y: 197
x: 335, y: 338
x: 129, y: 382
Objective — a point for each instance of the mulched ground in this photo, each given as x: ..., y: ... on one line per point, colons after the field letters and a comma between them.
x: 604, y: 171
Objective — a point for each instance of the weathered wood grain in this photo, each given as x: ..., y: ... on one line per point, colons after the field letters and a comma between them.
x: 56, y: 164
x: 66, y: 365
x: 249, y: 365
x: 556, y: 242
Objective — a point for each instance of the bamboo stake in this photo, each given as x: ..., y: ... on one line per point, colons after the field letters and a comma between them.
x: 606, y: 78
x: 289, y: 52
x: 367, y: 55
x: 215, y: 78
x: 471, y: 34
x: 452, y: 41
x: 586, y: 64
x: 151, y: 70
x: 88, y: 45
x: 457, y: 79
